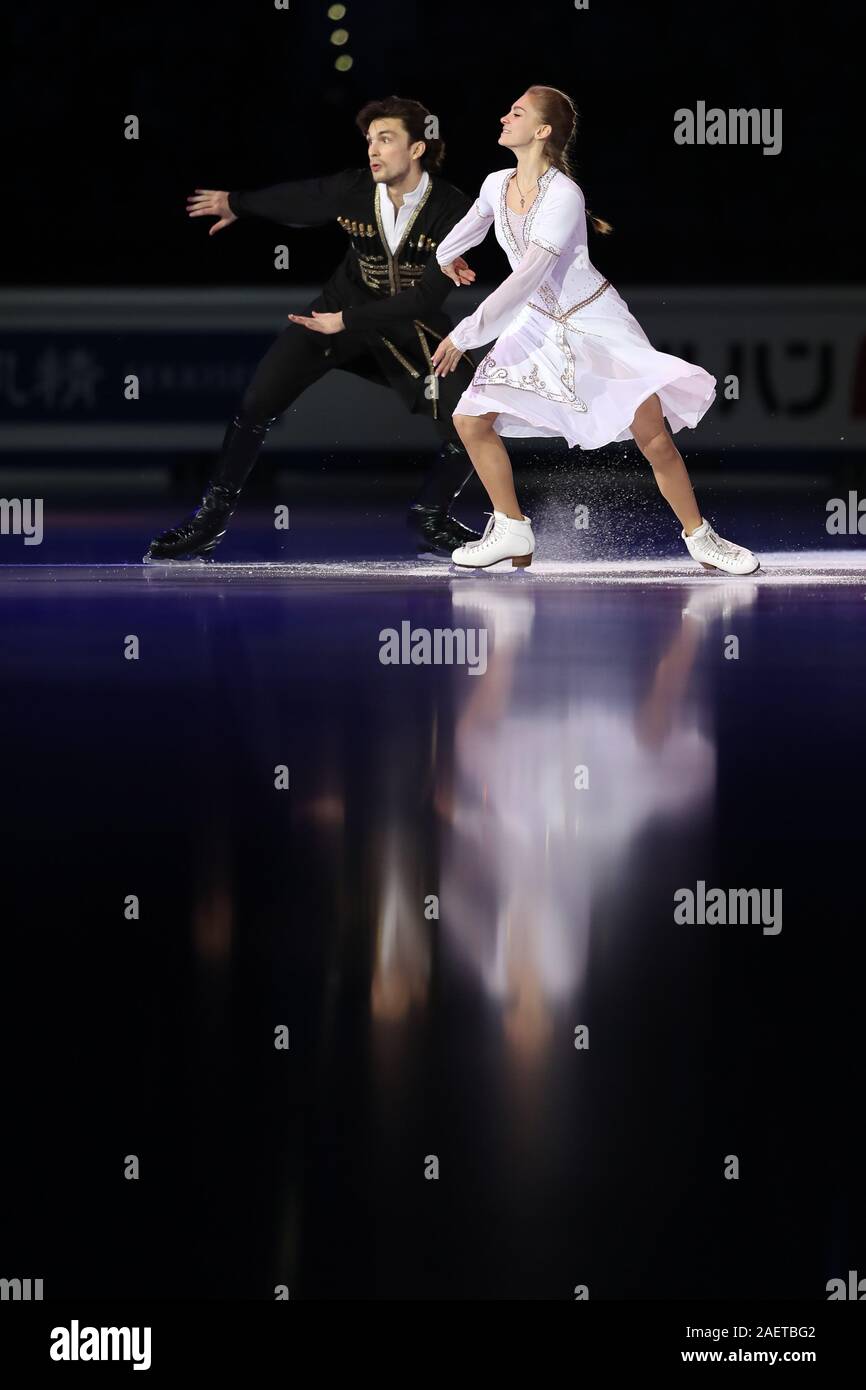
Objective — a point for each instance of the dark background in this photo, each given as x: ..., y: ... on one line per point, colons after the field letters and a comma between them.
x: 240, y: 95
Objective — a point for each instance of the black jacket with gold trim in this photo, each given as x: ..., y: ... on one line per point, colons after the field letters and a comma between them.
x: 394, y: 300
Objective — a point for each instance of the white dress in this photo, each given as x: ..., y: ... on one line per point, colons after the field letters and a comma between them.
x: 570, y: 360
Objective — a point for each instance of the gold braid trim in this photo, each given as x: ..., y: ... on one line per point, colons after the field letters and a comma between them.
x: 399, y: 356
x: 432, y: 371
x: 438, y: 337
x: 560, y: 318
x: 421, y: 329
x: 393, y: 257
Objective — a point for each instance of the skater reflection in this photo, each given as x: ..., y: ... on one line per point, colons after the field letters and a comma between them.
x: 529, y: 850
x: 524, y: 854
x: 403, y: 935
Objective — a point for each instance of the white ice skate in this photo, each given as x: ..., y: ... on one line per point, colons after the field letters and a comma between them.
x: 715, y: 553
x: 504, y: 538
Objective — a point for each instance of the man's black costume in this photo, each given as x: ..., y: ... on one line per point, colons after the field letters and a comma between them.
x: 393, y: 319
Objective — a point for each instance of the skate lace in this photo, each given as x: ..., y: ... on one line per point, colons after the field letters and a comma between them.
x: 187, y: 527
x: 486, y: 535
x: 722, y: 548
x: 183, y: 531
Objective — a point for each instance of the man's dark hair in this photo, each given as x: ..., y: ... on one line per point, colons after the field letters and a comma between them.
x: 414, y: 117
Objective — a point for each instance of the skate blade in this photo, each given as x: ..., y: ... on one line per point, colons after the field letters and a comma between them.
x: 518, y: 562
x: 176, y: 560
x: 730, y: 574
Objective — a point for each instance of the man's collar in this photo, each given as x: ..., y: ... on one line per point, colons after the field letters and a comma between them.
x: 419, y: 191
x: 410, y: 198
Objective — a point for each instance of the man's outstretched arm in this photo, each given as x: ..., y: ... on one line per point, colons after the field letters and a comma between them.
x: 301, y: 203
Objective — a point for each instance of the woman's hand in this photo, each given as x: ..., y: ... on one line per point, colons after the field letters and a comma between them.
x: 320, y: 323
x: 211, y: 202
x: 445, y: 358
x: 458, y: 271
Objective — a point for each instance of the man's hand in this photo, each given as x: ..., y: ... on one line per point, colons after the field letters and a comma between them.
x: 211, y: 202
x: 445, y: 358
x: 320, y: 323
x: 458, y: 271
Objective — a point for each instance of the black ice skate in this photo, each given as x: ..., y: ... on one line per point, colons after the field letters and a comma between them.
x: 201, y: 532
x: 437, y: 532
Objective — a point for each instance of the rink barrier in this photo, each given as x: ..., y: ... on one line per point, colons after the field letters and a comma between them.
x: 790, y: 365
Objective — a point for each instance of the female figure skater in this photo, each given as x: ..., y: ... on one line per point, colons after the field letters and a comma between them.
x: 570, y: 360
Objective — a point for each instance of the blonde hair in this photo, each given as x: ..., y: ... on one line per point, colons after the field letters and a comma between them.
x: 557, y: 110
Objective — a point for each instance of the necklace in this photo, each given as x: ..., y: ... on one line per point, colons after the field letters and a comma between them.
x: 528, y: 191
x: 520, y: 195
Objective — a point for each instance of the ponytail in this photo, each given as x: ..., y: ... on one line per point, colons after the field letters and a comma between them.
x: 599, y: 224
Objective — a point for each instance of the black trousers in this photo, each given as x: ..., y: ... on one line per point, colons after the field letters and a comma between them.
x: 299, y: 357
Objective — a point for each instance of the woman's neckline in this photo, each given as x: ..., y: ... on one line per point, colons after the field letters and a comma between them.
x: 526, y: 211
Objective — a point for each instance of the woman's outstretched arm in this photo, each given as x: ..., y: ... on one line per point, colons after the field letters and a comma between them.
x: 494, y: 313
x: 470, y: 230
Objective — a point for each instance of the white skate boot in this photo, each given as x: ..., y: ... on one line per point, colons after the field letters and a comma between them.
x: 504, y: 538
x: 715, y: 553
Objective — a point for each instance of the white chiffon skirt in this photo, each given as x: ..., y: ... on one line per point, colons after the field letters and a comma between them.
x: 581, y: 378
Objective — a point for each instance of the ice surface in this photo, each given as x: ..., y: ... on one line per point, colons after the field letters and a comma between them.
x: 817, y: 567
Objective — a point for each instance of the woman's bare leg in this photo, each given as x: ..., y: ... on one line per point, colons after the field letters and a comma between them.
x: 653, y: 438
x: 493, y: 466
x: 490, y: 461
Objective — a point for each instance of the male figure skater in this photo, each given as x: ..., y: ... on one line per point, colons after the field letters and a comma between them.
x: 376, y: 316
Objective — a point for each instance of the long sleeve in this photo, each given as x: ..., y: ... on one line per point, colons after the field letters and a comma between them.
x: 470, y: 230
x: 494, y: 314
x: 301, y: 203
x: 558, y: 229
x: 424, y: 298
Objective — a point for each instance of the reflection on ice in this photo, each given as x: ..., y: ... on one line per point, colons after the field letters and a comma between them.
x: 542, y: 788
